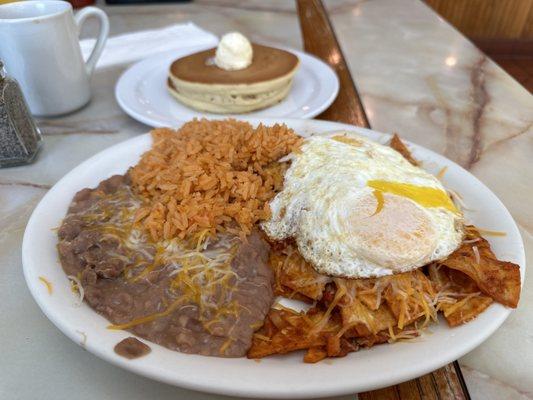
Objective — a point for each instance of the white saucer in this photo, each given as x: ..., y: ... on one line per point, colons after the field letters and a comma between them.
x: 142, y: 93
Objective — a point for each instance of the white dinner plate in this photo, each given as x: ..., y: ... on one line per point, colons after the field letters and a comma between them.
x: 279, y: 376
x: 142, y: 92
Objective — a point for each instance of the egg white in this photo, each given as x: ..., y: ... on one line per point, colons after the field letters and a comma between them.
x: 327, y: 207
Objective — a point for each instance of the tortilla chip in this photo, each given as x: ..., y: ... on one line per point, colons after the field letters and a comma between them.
x: 340, y: 322
x: 315, y: 354
x: 288, y: 293
x: 376, y: 321
x: 459, y: 298
x: 353, y: 313
x: 368, y: 291
x: 466, y: 311
x: 408, y: 296
x: 357, y: 318
x: 498, y: 279
x: 445, y: 280
x: 293, y: 272
x: 369, y: 341
x: 286, y: 330
x: 335, y: 347
x: 397, y: 144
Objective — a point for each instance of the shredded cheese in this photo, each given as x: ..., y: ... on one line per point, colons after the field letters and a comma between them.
x: 225, y: 346
x: 490, y: 233
x: 47, y: 283
x: 200, y: 277
x: 405, y: 335
x: 391, y: 333
x: 380, y: 201
x: 201, y: 273
x: 450, y: 310
x: 341, y: 291
x: 476, y: 254
x: 345, y: 329
x: 347, y: 140
x: 83, y: 338
x: 262, y: 337
x: 441, y: 172
x: 77, y: 288
x: 148, y: 318
x: 458, y: 200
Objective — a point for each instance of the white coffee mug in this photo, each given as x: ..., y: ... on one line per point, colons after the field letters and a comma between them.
x: 40, y: 48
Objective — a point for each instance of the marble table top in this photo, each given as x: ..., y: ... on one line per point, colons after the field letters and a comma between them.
x: 417, y: 76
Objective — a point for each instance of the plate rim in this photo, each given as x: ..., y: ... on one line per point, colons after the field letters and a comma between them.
x: 328, y: 389
x: 121, y: 88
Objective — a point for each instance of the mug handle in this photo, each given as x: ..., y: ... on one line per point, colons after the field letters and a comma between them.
x: 80, y: 18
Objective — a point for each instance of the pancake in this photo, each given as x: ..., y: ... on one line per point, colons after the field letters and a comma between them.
x: 268, y: 64
x: 195, y: 81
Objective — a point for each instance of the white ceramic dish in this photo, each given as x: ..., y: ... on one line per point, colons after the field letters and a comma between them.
x: 142, y: 93
x: 275, y: 377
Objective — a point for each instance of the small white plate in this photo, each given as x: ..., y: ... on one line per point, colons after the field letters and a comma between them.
x: 279, y: 376
x: 142, y: 92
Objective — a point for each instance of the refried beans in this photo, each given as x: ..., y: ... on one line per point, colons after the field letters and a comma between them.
x: 203, y: 298
x: 132, y: 348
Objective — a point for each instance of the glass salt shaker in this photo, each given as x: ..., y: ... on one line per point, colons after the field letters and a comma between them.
x: 20, y: 138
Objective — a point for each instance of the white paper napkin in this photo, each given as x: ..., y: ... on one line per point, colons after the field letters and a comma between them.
x: 130, y: 47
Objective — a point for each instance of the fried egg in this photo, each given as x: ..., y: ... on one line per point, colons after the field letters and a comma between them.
x: 358, y: 209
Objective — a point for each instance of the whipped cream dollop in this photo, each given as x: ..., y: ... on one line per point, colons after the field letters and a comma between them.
x: 234, y: 52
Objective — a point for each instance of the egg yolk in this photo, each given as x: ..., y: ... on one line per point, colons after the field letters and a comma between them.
x: 423, y: 195
x: 380, y: 201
